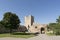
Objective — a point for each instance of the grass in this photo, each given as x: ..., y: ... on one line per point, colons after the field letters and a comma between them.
x: 17, y: 36
x: 50, y: 34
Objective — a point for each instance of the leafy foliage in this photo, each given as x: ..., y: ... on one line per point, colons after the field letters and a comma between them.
x: 2, y: 28
x: 58, y: 20
x: 55, y: 26
x: 11, y: 20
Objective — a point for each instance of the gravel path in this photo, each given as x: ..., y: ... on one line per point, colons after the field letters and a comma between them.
x: 45, y: 37
x: 40, y: 37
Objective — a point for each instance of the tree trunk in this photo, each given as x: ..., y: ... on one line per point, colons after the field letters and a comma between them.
x: 10, y: 30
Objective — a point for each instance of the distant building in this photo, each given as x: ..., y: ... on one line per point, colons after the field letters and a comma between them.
x: 34, y: 27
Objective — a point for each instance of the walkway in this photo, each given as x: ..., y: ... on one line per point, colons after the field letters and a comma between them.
x: 40, y: 37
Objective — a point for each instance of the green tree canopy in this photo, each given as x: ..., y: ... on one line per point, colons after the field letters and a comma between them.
x: 55, y: 26
x: 58, y: 20
x: 52, y: 25
x: 11, y: 20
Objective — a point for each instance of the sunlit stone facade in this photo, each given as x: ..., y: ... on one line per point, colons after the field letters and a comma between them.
x: 33, y: 27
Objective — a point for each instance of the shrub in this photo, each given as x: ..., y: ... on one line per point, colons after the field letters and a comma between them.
x: 22, y: 33
x: 57, y: 33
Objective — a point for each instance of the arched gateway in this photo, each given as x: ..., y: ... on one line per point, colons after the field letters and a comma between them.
x: 42, y: 30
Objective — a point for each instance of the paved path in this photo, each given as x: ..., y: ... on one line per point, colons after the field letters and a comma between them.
x: 45, y: 37
x: 40, y: 37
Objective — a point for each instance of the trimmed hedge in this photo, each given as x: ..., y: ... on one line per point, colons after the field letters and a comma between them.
x: 22, y: 33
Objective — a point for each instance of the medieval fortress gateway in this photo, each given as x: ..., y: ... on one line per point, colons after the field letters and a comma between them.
x: 33, y: 27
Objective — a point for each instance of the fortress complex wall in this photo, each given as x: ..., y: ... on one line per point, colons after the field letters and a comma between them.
x: 34, y: 27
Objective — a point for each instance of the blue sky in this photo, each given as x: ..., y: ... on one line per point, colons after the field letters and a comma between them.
x: 44, y: 11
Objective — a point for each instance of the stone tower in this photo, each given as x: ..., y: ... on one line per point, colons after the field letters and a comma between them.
x: 29, y: 20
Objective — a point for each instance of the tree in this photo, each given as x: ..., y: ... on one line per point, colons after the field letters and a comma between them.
x: 55, y: 26
x: 2, y: 28
x: 52, y: 25
x: 11, y: 21
x: 58, y: 20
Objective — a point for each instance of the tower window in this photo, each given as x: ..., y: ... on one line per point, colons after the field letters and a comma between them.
x: 35, y: 26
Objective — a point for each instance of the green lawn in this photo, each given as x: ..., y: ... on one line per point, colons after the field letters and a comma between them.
x: 17, y: 36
